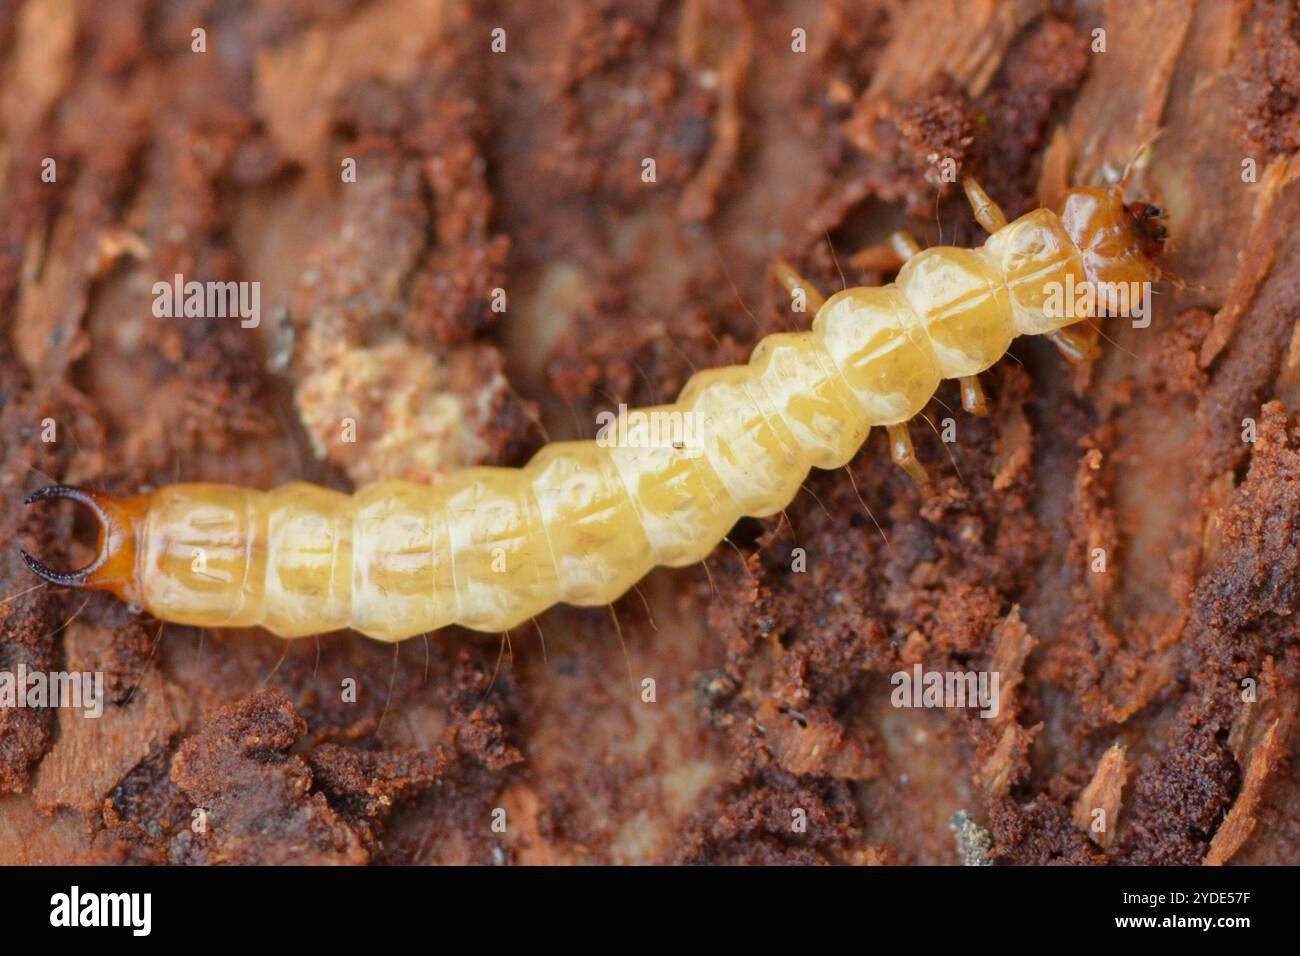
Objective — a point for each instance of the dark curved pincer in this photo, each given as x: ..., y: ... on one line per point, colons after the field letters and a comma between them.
x: 80, y: 578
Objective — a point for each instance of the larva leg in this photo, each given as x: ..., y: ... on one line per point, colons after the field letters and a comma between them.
x: 903, y: 454
x: 889, y: 255
x: 794, y: 283
x: 1074, y: 345
x: 987, y: 213
x: 904, y: 244
x: 972, y: 396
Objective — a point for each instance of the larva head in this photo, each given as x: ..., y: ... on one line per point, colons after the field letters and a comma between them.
x: 114, y: 566
x: 1119, y: 241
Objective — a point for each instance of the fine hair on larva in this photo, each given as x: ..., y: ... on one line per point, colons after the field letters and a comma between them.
x: 583, y: 521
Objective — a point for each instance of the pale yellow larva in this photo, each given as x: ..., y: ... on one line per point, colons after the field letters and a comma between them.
x: 582, y: 522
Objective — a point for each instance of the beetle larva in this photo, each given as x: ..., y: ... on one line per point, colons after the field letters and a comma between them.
x: 582, y: 522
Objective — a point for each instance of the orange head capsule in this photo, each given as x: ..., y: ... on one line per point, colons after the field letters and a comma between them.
x: 1119, y: 242
x: 114, y: 566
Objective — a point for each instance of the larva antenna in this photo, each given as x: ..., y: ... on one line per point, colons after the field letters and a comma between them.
x: 114, y: 564
x: 1178, y: 282
x: 1139, y: 156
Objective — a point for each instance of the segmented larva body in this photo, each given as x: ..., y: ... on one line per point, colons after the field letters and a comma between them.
x: 491, y: 547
